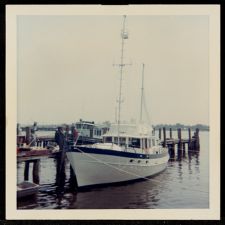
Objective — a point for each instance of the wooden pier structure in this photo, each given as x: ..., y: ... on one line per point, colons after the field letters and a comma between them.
x: 192, y: 142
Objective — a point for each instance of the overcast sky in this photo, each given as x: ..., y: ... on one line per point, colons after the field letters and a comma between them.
x: 66, y: 72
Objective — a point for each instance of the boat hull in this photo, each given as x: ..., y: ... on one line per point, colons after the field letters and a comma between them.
x: 94, y: 168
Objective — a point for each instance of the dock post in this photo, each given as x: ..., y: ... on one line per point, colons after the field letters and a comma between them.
x: 171, y: 136
x: 197, y: 144
x: 60, y: 174
x: 160, y: 133
x: 36, y: 167
x: 179, y: 139
x: 26, y: 170
x: 189, y: 138
x: 173, y: 150
x: 183, y: 148
x: 164, y: 137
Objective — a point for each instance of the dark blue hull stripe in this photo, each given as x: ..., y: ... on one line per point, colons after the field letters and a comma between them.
x: 118, y: 153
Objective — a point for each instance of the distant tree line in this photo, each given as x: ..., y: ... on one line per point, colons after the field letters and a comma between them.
x: 182, y: 126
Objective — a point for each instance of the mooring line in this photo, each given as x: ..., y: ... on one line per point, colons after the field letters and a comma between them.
x: 130, y: 173
x: 107, y: 164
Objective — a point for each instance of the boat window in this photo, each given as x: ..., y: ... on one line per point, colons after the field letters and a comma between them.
x: 116, y: 140
x: 146, y: 143
x: 78, y: 126
x: 88, y: 127
x: 108, y: 139
x: 122, y: 141
x: 135, y: 142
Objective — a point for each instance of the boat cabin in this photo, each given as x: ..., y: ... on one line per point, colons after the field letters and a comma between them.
x: 90, y: 129
x: 132, y: 142
x: 131, y: 136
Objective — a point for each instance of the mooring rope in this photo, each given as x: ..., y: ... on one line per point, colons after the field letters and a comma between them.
x: 131, y: 173
x: 107, y: 164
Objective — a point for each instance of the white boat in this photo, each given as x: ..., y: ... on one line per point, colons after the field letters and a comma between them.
x: 26, y: 188
x: 128, y: 152
x: 89, y: 132
x: 138, y: 156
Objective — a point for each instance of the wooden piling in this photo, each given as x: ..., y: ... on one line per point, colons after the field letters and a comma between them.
x: 60, y: 170
x: 189, y: 138
x: 197, y: 144
x: 179, y: 155
x: 179, y: 139
x: 26, y: 170
x: 164, y: 137
x: 36, y: 168
x: 171, y: 135
x: 184, y: 147
x: 172, y: 150
x: 160, y: 133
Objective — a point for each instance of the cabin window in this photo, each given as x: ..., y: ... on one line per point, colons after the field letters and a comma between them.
x: 78, y: 126
x: 89, y: 127
x: 108, y: 139
x: 135, y: 142
x: 145, y: 143
x: 122, y: 141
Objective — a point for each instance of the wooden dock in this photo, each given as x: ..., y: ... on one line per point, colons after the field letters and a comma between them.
x: 192, y: 142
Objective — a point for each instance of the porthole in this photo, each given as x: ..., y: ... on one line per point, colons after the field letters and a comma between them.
x: 146, y: 161
x: 131, y: 160
x: 139, y: 161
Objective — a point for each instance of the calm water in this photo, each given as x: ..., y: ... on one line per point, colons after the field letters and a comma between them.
x: 184, y: 184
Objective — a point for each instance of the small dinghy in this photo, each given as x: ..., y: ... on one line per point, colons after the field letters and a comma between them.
x: 26, y: 188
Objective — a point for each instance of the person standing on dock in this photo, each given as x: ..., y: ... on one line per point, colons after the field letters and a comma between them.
x: 33, y: 138
x: 60, y: 138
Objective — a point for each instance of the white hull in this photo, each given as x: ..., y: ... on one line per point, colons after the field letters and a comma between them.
x: 93, y: 169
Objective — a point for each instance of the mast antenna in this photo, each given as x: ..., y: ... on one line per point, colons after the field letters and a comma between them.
x: 124, y: 36
x: 142, y: 92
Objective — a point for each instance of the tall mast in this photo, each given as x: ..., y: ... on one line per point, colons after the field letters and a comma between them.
x: 142, y: 92
x: 124, y: 36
